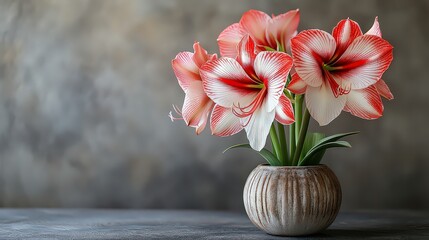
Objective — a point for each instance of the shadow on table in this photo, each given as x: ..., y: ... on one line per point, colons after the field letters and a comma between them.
x: 377, y: 233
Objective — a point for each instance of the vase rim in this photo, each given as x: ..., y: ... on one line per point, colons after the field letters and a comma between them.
x: 266, y: 165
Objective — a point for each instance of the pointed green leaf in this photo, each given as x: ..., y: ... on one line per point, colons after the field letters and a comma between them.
x: 311, y: 140
x: 267, y: 155
x: 335, y: 137
x: 317, y: 157
x: 309, y: 158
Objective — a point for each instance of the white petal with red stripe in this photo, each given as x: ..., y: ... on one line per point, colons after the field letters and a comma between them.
x: 200, y: 55
x: 226, y: 83
x: 223, y: 122
x: 284, y: 111
x: 246, y: 54
x: 282, y: 28
x: 375, y: 29
x: 297, y: 85
x: 365, y: 103
x: 322, y: 104
x: 344, y: 34
x: 255, y: 22
x: 258, y: 126
x: 383, y: 89
x: 185, y: 69
x: 196, y: 107
x: 364, y: 62
x: 310, y: 49
x: 229, y: 39
x: 273, y: 68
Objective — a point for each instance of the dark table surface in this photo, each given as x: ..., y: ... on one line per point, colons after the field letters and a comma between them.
x: 184, y: 224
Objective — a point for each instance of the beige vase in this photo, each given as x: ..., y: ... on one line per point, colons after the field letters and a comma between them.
x: 292, y: 201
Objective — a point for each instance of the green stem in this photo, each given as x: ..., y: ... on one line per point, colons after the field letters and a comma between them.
x: 302, y: 133
x: 283, y: 143
x: 298, y: 115
x: 292, y: 142
x: 275, y: 141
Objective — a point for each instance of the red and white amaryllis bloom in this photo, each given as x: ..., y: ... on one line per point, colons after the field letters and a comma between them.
x: 341, y: 71
x: 268, y: 33
x: 197, y: 106
x: 252, y: 85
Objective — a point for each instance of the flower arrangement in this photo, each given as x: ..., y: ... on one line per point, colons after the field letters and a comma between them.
x: 269, y: 76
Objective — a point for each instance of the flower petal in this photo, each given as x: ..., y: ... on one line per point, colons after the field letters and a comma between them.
x: 200, y: 55
x: 228, y: 40
x: 364, y: 62
x: 258, y: 126
x: 375, y: 29
x: 310, y: 49
x: 273, y: 69
x: 226, y: 83
x: 297, y: 85
x: 322, y: 104
x: 282, y: 28
x: 365, y: 103
x: 255, y: 22
x: 223, y: 122
x: 284, y: 111
x: 383, y: 89
x: 196, y: 107
x: 246, y: 54
x: 345, y: 33
x: 185, y: 69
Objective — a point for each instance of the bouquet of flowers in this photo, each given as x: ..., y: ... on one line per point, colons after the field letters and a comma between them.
x: 270, y: 75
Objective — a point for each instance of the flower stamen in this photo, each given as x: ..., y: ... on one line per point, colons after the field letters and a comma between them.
x: 178, y: 112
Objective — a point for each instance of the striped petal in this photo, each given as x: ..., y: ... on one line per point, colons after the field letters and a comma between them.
x: 364, y: 62
x: 196, y: 107
x: 200, y: 55
x: 282, y: 28
x: 258, y: 126
x: 284, y: 111
x: 344, y: 34
x: 383, y: 89
x: 297, y: 85
x: 375, y: 29
x: 185, y: 69
x: 273, y: 69
x: 246, y: 54
x: 322, y: 104
x: 255, y: 22
x: 365, y: 103
x: 226, y: 83
x: 229, y: 39
x: 223, y: 122
x: 310, y: 49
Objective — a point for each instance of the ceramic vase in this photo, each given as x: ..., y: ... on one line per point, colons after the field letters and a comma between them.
x: 292, y: 200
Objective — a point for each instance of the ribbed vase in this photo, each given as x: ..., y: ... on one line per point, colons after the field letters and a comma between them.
x: 292, y: 201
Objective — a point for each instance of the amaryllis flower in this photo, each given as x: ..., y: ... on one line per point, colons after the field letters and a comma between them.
x: 341, y: 71
x: 252, y: 85
x: 197, y: 106
x: 268, y: 33
x: 380, y: 85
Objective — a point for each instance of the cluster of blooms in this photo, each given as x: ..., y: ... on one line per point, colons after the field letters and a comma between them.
x: 265, y: 62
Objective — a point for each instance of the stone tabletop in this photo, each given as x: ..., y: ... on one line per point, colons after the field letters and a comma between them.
x: 191, y: 224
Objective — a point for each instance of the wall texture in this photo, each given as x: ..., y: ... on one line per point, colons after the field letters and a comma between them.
x: 86, y: 86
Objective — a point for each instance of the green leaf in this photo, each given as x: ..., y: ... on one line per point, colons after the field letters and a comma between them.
x: 336, y: 137
x: 312, y: 158
x: 267, y: 155
x: 317, y: 151
x: 311, y: 140
x: 316, y: 158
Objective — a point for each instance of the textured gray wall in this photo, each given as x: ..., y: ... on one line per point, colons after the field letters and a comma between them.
x: 86, y: 86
